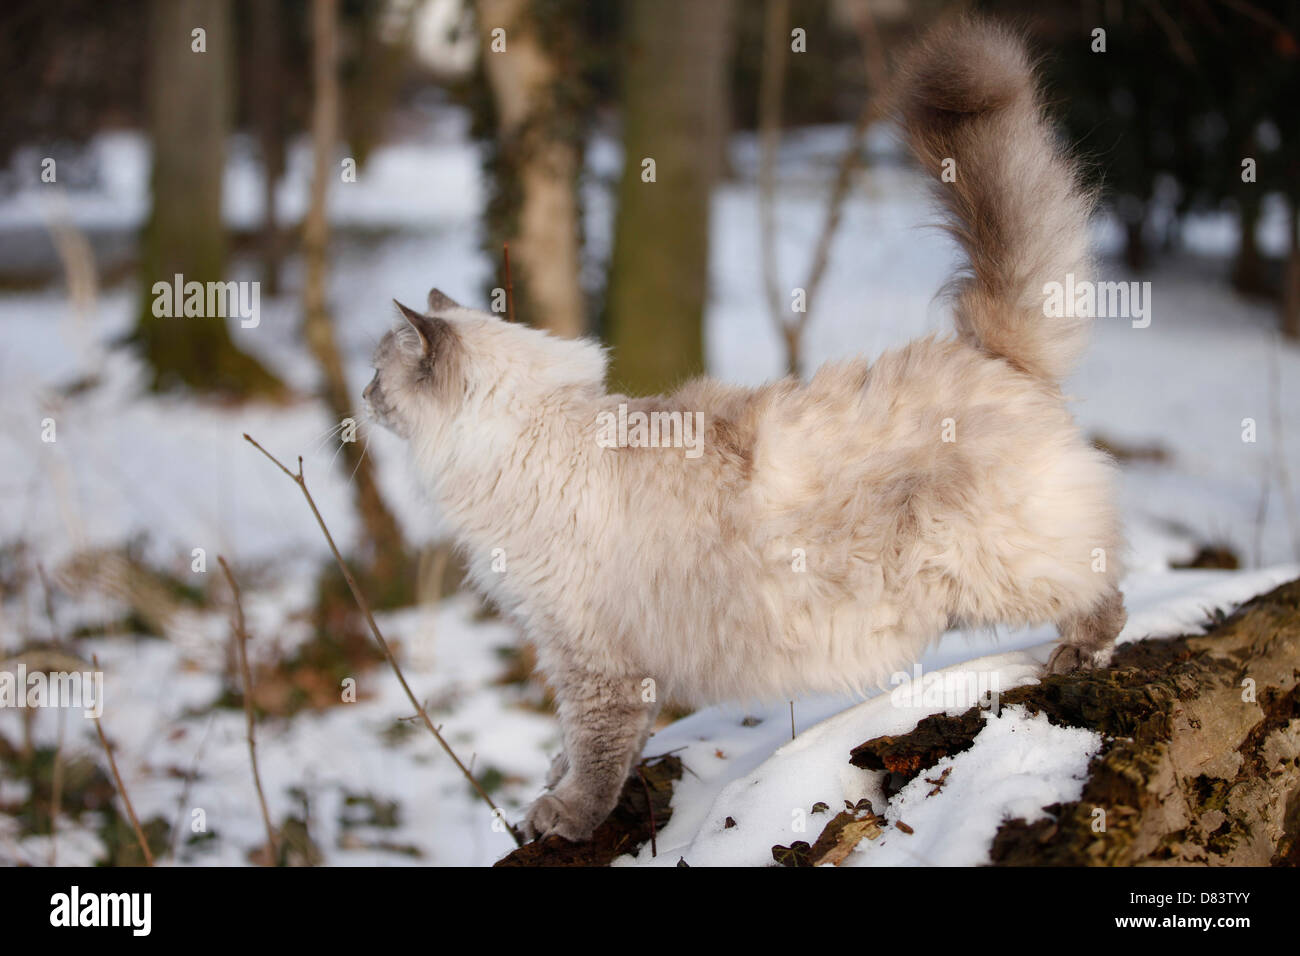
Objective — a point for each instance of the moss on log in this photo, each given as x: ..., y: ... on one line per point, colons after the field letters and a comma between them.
x: 643, y: 808
x: 1201, y: 761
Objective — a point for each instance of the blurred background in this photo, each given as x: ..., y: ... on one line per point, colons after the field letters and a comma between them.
x: 669, y: 175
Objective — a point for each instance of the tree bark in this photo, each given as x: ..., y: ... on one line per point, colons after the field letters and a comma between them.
x: 674, y: 107
x: 269, y: 120
x: 1135, y: 247
x: 1248, y: 265
x: 1201, y: 763
x: 190, y: 105
x: 1291, y: 274
x: 540, y: 152
x: 384, y: 543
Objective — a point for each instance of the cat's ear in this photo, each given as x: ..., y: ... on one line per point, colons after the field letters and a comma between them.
x: 431, y: 330
x: 441, y: 302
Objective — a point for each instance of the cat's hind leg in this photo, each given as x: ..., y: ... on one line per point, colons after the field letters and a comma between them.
x: 1088, y: 639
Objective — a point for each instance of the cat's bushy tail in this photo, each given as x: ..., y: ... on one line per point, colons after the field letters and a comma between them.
x: 969, y: 105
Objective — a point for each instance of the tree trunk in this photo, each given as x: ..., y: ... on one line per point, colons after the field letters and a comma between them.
x: 771, y: 89
x: 539, y: 153
x: 1201, y: 763
x: 190, y: 98
x: 1248, y: 266
x: 1291, y: 274
x: 269, y: 120
x: 674, y: 104
x: 1135, y: 247
x: 386, y: 549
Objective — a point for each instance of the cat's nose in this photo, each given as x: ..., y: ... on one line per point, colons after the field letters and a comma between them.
x: 368, y: 391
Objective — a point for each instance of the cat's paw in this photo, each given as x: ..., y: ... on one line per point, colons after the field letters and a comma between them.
x: 1069, y: 658
x: 565, y: 813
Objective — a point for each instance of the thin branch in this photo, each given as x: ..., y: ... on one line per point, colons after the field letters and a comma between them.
x: 56, y: 789
x: 791, y: 326
x: 873, y: 56
x: 1257, y: 14
x: 121, y: 787
x: 364, y: 606
x: 1278, y: 429
x: 185, y: 789
x: 241, y: 644
x: 510, y: 286
x: 771, y: 91
x: 56, y: 781
x: 1177, y: 42
x: 650, y: 807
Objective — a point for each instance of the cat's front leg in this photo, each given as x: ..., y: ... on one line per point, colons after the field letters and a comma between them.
x: 559, y: 767
x: 605, y: 722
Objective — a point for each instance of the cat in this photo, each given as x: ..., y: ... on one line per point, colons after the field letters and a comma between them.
x: 827, y: 532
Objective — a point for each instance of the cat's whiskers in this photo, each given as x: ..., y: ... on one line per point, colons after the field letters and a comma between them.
x: 335, y: 456
x: 319, y: 442
x: 365, y: 447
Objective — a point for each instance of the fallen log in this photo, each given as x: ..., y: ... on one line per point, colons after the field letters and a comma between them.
x: 1200, y: 765
x: 1201, y: 760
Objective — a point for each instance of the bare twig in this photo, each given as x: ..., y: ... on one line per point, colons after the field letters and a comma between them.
x: 771, y: 90
x: 791, y: 325
x: 78, y: 259
x: 241, y: 645
x: 873, y: 55
x: 185, y: 789
x: 1261, y: 514
x: 1279, y: 449
x: 56, y: 773
x: 1257, y: 14
x: 121, y: 787
x: 56, y: 789
x: 364, y: 606
x: 49, y: 604
x: 650, y: 806
x: 510, y: 286
x: 1177, y: 42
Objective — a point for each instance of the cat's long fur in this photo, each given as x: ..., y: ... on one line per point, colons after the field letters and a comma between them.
x: 828, y: 532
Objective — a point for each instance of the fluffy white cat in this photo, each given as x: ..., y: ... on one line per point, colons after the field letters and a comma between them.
x: 819, y: 535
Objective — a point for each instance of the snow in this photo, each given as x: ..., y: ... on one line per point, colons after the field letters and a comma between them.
x: 126, y: 464
x: 1018, y: 765
x: 765, y: 781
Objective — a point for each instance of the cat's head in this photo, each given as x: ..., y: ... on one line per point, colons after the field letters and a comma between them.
x: 450, y: 360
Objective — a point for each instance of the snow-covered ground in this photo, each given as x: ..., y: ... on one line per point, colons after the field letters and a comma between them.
x: 124, y: 464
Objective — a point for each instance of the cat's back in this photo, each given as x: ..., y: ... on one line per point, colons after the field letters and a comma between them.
x: 932, y: 413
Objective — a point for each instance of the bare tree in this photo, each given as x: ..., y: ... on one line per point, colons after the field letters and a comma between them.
x: 384, y: 538
x: 190, y: 82
x: 790, y: 323
x: 269, y: 120
x: 543, y: 157
x: 676, y: 62
x: 1291, y: 273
